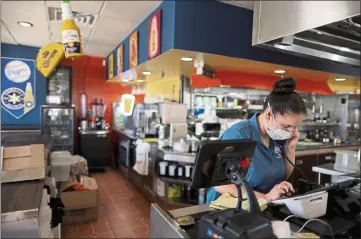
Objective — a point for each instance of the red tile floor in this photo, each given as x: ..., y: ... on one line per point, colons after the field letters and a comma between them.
x: 123, y: 212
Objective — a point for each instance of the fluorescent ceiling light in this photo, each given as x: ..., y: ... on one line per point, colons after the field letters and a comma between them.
x: 340, y: 79
x: 147, y: 73
x: 186, y: 58
x: 25, y: 24
x: 280, y: 71
x: 344, y: 49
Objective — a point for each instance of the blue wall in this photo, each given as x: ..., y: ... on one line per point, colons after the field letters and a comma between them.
x: 32, y: 119
x: 167, y: 36
x: 223, y: 29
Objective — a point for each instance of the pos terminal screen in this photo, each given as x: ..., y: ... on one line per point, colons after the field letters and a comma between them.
x: 214, y: 158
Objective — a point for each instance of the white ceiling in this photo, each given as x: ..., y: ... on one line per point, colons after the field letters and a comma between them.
x: 114, y: 21
x: 244, y: 4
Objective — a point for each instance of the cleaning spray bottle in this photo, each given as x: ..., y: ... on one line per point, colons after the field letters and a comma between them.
x: 70, y: 32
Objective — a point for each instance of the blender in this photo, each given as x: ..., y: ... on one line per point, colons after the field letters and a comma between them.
x: 99, y: 111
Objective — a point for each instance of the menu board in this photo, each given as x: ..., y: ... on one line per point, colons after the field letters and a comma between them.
x: 133, y: 50
x: 59, y: 86
x: 154, y: 29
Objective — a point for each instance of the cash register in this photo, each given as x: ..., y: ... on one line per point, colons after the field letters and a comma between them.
x: 223, y: 162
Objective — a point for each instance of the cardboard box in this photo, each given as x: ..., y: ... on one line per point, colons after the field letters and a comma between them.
x: 80, y: 206
x: 23, y: 163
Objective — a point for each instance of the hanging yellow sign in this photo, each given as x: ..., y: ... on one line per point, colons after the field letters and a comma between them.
x: 49, y: 57
x: 111, y: 66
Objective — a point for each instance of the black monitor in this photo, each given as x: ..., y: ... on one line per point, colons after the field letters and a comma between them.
x: 213, y: 158
x: 222, y: 162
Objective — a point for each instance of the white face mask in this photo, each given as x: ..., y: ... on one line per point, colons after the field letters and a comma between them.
x: 277, y: 133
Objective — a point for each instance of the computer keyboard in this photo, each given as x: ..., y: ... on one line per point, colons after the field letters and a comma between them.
x: 320, y: 189
x: 333, y: 186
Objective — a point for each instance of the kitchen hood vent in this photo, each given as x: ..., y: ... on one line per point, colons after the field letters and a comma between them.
x: 83, y: 19
x: 339, y: 40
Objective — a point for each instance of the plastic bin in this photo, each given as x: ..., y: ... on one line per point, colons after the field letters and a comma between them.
x: 347, y: 161
x: 60, y: 168
x: 57, y: 154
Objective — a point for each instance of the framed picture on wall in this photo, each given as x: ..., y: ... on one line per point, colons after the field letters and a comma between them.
x: 59, y: 87
x: 133, y: 50
x: 120, y: 60
x: 154, y: 35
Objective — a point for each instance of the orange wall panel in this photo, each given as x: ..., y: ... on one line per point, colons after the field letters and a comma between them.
x: 88, y: 76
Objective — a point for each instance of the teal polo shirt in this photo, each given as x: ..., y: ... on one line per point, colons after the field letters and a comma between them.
x: 267, y: 166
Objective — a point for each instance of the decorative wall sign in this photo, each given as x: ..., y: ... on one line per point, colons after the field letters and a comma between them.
x: 120, y: 60
x: 127, y: 104
x: 154, y: 35
x: 111, y: 66
x: 17, y: 86
x: 133, y: 50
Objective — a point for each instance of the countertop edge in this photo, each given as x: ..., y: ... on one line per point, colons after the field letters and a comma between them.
x: 304, y: 152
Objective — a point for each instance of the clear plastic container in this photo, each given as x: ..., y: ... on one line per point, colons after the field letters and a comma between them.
x: 57, y: 154
x: 347, y: 161
x: 60, y: 168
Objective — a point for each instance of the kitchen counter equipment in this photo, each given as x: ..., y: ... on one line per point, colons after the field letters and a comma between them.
x: 25, y: 212
x: 94, y: 148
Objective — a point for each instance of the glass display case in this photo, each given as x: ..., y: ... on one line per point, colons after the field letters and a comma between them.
x: 58, y: 123
x: 59, y: 86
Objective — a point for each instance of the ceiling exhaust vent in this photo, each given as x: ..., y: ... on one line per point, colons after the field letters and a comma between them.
x: 83, y: 19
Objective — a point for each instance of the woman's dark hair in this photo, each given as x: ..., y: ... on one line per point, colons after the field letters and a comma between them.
x: 284, y: 99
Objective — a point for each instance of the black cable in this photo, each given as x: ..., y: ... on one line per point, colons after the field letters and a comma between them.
x: 300, y: 170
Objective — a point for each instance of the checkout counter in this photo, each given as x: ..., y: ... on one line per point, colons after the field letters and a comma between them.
x: 342, y: 218
x: 27, y: 207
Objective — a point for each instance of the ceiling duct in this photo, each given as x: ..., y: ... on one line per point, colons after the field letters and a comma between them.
x: 83, y: 19
x: 332, y: 33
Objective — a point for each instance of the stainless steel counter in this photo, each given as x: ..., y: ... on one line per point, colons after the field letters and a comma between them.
x: 162, y: 224
x: 173, y: 155
x: 126, y: 133
x: 22, y: 197
x: 323, y: 149
x: 25, y: 212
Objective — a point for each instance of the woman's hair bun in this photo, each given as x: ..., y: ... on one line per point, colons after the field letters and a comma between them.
x: 285, y: 85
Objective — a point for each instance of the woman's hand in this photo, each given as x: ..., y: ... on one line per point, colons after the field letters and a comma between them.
x: 291, y: 142
x: 284, y: 188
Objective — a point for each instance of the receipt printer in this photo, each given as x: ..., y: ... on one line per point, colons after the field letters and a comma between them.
x: 232, y: 223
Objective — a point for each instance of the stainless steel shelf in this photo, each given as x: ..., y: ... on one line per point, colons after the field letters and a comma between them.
x: 320, y: 124
x: 175, y: 181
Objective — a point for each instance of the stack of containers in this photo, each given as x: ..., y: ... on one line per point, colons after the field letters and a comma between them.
x: 63, y: 164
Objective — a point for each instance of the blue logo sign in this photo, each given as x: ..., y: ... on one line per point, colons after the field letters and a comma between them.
x: 278, y: 152
x: 13, y: 98
x: 17, y: 86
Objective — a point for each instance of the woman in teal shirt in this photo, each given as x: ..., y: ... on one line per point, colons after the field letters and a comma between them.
x: 276, y: 134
